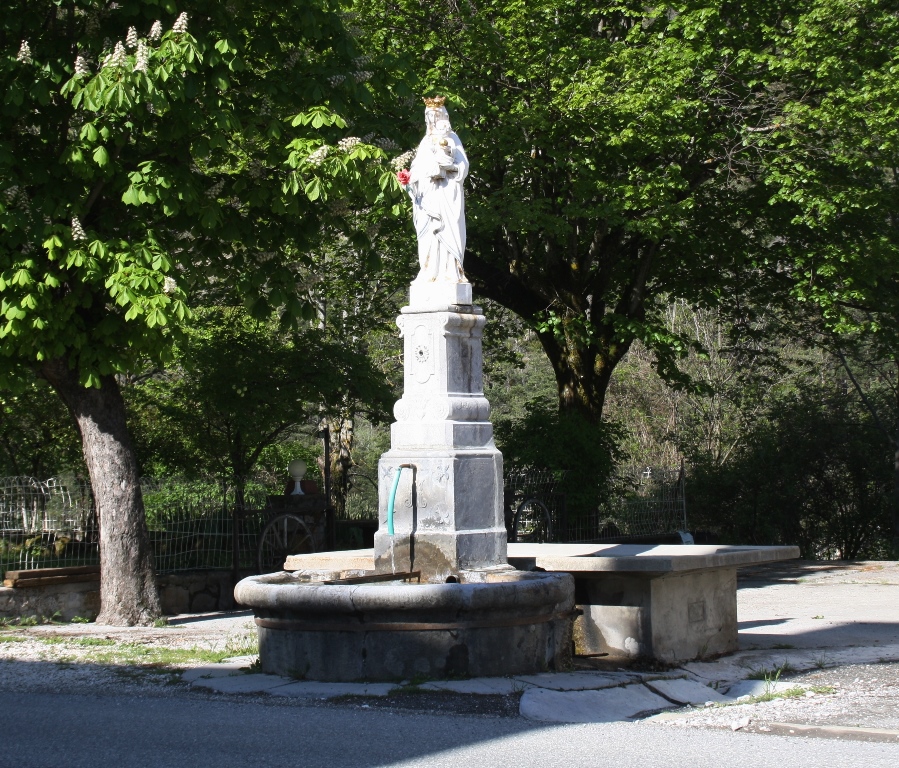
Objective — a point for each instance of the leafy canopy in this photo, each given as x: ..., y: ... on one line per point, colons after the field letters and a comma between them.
x: 145, y: 166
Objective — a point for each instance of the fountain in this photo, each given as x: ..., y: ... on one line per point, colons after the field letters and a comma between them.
x: 439, y: 599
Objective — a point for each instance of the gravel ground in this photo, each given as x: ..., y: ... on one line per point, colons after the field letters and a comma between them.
x: 864, y: 696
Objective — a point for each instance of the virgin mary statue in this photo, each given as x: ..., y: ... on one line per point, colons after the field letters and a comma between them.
x: 438, y: 201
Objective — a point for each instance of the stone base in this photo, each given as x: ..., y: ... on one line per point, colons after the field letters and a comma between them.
x: 430, y: 296
x: 448, y: 512
x: 510, y: 623
x: 675, y: 617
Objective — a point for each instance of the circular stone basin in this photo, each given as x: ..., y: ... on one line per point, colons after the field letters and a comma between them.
x: 509, y: 623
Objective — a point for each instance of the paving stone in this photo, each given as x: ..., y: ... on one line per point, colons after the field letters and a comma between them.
x: 578, y: 681
x: 310, y: 689
x: 685, y: 691
x: 224, y: 669
x: 242, y: 683
x: 603, y: 706
x: 480, y: 685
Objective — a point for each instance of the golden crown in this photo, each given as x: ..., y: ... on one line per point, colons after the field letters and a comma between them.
x: 434, y: 102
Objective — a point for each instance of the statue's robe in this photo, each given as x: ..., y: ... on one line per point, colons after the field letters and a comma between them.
x: 438, y: 210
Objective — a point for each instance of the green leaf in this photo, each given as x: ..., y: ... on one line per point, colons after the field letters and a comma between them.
x: 101, y: 156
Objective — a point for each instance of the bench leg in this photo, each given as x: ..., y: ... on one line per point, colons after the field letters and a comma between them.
x: 670, y: 618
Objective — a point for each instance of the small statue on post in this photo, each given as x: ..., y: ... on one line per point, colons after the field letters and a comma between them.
x: 434, y: 182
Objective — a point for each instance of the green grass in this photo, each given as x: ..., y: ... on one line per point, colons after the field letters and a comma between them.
x: 99, y: 650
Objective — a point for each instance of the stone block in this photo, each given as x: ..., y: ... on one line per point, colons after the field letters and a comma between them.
x: 674, y: 617
x: 174, y: 599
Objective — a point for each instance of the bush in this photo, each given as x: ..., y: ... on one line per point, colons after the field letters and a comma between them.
x: 583, y: 455
x: 815, y: 472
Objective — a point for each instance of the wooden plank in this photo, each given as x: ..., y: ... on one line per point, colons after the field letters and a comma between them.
x: 45, y: 580
x: 39, y: 573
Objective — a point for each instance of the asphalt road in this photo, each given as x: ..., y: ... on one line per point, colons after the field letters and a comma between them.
x: 64, y: 730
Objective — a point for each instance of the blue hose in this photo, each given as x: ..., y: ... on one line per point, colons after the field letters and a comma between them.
x: 392, y: 500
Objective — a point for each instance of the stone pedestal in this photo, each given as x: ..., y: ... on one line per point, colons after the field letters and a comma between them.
x: 448, y: 511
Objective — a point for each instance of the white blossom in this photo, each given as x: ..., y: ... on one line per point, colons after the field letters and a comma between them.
x: 155, y: 31
x: 347, y: 144
x: 292, y: 58
x: 336, y: 80
x: 24, y: 54
x: 403, y: 160
x: 216, y: 189
x: 81, y: 66
x: 256, y: 170
x: 361, y: 77
x: 386, y: 143
x: 131, y: 37
x: 180, y: 25
x: 361, y: 61
x: 78, y: 233
x: 118, y: 57
x: 169, y: 286
x: 11, y: 194
x: 142, y: 59
x: 318, y: 157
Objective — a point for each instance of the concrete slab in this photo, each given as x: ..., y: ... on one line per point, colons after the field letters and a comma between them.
x: 642, y: 558
x: 578, y: 681
x: 606, y: 706
x: 310, y: 689
x: 224, y: 669
x: 685, y: 691
x: 242, y: 683
x: 818, y: 614
x: 503, y: 686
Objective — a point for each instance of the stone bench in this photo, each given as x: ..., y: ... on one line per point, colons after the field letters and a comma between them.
x: 666, y: 602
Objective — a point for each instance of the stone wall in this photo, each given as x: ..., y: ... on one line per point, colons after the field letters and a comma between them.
x: 189, y: 592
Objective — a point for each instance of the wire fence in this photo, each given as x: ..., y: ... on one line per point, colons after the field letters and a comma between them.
x: 193, y: 524
x: 212, y: 524
x: 646, y: 504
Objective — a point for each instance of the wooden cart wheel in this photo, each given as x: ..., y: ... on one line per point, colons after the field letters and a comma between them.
x: 286, y: 534
x: 533, y: 522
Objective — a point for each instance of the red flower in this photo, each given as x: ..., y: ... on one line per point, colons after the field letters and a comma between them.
x: 403, y: 177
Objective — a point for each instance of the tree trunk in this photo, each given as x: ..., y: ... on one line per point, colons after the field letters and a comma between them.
x: 583, y: 373
x: 894, y: 511
x: 128, y: 594
x: 341, y: 462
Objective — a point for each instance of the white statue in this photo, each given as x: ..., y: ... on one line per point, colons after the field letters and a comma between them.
x: 438, y: 200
